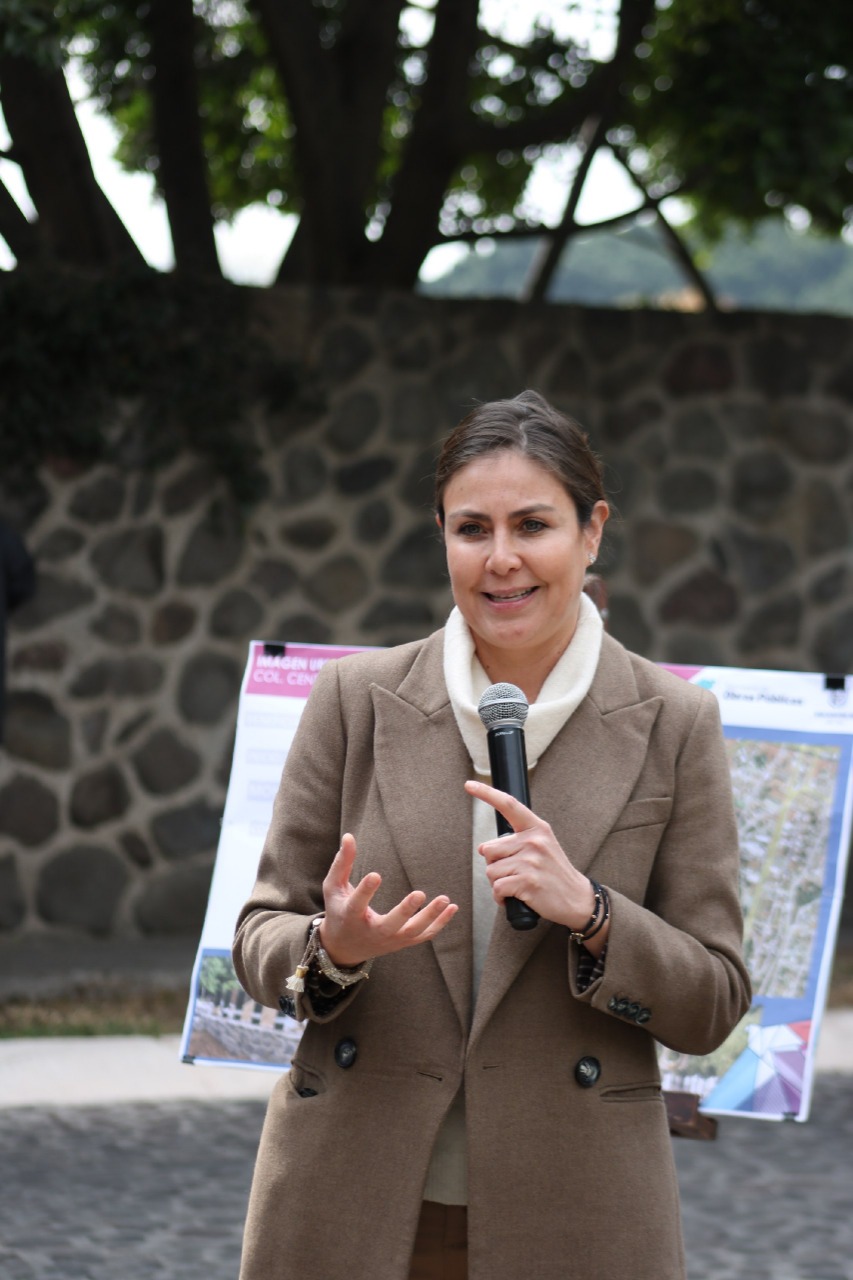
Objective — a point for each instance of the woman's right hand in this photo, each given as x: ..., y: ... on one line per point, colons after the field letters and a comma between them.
x: 352, y: 932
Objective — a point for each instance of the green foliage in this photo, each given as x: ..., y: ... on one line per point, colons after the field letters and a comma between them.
x: 749, y: 104
x: 133, y: 368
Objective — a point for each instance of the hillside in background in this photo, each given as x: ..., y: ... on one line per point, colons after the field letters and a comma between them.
x: 775, y: 268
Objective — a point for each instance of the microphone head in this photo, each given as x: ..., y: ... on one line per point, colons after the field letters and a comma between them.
x: 503, y: 704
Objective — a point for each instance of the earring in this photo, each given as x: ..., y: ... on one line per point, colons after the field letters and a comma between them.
x: 591, y: 558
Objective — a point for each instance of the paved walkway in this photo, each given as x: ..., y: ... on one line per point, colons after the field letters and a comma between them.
x: 157, y: 1189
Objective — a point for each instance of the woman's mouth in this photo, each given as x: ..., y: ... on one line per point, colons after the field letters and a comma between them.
x: 509, y: 597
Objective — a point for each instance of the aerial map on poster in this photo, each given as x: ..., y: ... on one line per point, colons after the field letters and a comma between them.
x: 790, y: 742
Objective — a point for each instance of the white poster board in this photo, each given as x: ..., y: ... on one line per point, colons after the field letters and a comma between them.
x: 790, y: 739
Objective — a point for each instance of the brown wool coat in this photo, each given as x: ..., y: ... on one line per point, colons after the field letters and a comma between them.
x: 565, y: 1180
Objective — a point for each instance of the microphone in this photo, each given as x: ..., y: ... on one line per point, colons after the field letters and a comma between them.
x: 503, y: 710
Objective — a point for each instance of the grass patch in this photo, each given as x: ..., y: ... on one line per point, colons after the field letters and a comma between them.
x: 87, y: 1013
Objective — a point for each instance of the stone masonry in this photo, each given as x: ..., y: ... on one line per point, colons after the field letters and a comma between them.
x: 729, y: 449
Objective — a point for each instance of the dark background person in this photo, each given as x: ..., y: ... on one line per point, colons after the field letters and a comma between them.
x: 468, y: 1100
x: 17, y: 584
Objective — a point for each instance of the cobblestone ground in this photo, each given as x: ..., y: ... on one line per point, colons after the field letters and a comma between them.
x: 137, y: 1192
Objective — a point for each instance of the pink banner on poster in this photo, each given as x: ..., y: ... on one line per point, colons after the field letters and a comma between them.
x: 677, y: 669
x: 288, y: 670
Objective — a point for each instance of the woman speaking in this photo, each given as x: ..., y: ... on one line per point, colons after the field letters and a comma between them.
x: 469, y: 1099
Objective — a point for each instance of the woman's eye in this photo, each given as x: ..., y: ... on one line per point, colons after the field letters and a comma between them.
x: 533, y: 526
x: 470, y: 530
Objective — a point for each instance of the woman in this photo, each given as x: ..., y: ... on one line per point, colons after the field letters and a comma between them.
x: 486, y: 1103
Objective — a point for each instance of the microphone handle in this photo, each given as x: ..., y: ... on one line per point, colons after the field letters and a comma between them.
x: 508, y: 762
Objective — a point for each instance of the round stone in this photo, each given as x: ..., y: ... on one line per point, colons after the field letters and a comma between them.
x: 418, y: 488
x: 172, y: 621
x: 29, y: 812
x: 55, y: 598
x: 236, y: 614
x: 81, y: 888
x: 364, y: 476
x: 827, y: 523
x: 131, y: 677
x: 116, y: 625
x: 833, y: 644
x: 60, y: 544
x: 685, y: 490
x: 626, y: 420
x: 414, y: 416
x: 37, y: 731
x: 417, y: 557
x: 816, y: 435
x: 338, y: 584
x: 99, y: 796
x: 304, y: 628
x: 699, y: 367
x: 209, y: 686
x: 390, y: 612
x: 776, y: 366
x: 131, y: 561
x: 191, y: 829
x: 763, y: 562
x: 41, y: 655
x: 774, y: 625
x: 164, y: 764
x: 628, y: 625
x: 274, y: 578
x: 353, y: 422
x: 13, y: 906
x: 100, y: 500
x: 658, y: 546
x: 373, y: 521
x: 705, y: 599
x: 175, y: 902
x: 304, y: 474
x: 698, y: 433
x: 214, y: 547
x: 310, y: 534
x: 187, y: 490
x: 761, y: 483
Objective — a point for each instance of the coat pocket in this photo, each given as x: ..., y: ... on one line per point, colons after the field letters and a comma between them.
x: 305, y: 1081
x: 649, y: 812
x: 644, y: 1091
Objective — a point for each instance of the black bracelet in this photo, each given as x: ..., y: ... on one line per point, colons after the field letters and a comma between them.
x: 605, y: 917
x: 596, y: 908
x: 598, y: 917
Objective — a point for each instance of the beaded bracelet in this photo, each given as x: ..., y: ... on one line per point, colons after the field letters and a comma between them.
x: 600, y: 914
x: 604, y: 918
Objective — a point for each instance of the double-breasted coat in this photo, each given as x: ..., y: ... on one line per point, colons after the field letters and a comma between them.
x: 570, y: 1169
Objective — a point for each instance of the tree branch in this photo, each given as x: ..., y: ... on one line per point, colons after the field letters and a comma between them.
x: 183, y: 169
x: 546, y: 263
x: 677, y: 247
x: 20, y: 234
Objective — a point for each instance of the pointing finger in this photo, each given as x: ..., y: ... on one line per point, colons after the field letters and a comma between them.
x: 517, y: 814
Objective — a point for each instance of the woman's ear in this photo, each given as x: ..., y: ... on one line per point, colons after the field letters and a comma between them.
x: 440, y: 523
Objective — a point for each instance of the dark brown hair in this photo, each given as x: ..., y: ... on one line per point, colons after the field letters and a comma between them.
x: 533, y: 427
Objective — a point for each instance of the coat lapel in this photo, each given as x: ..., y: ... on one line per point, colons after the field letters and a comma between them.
x: 580, y: 785
x: 421, y: 764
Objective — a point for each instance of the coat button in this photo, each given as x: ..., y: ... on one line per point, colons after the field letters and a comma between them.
x: 587, y: 1072
x: 346, y: 1052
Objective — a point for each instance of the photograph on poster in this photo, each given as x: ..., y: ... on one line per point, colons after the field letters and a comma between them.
x: 790, y: 793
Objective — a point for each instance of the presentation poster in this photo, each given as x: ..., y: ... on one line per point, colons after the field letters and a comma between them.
x: 790, y: 743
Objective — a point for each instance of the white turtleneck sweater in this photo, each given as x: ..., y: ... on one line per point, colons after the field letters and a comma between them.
x: 561, y: 694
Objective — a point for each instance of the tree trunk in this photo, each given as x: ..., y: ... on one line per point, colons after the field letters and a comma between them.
x: 433, y: 149
x: 183, y: 170
x: 77, y: 224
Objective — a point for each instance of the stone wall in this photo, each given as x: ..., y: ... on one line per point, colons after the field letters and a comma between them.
x: 729, y: 450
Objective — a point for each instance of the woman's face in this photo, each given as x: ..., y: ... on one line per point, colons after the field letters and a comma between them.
x: 517, y: 555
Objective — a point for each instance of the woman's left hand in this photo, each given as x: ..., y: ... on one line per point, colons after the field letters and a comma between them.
x: 530, y: 864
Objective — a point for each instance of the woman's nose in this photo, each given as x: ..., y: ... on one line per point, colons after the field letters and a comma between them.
x: 503, y: 554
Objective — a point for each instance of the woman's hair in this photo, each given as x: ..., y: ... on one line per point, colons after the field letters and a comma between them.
x: 533, y: 427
